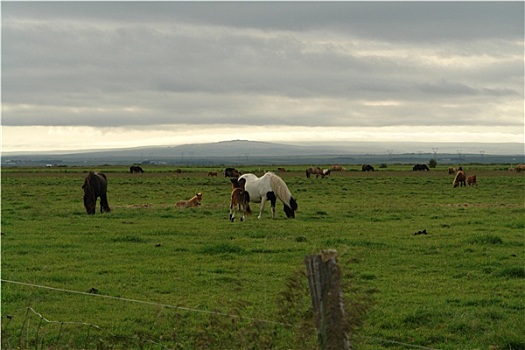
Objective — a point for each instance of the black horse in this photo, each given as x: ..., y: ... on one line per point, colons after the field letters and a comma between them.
x: 367, y: 167
x: 231, y: 172
x: 135, y: 169
x: 420, y: 167
x: 95, y: 185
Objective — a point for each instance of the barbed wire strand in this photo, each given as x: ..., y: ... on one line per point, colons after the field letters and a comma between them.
x: 62, y: 323
x: 179, y: 308
x: 146, y: 302
x: 398, y: 343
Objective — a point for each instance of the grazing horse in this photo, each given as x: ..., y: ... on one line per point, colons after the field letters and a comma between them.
x: 281, y: 170
x: 194, y: 201
x: 269, y: 187
x: 231, y: 172
x: 471, y: 180
x: 420, y: 167
x: 459, y: 179
x: 239, y: 199
x: 367, y: 167
x: 212, y: 174
x: 135, y: 169
x: 520, y: 167
x: 451, y: 170
x: 317, y: 171
x: 337, y: 167
x: 95, y: 185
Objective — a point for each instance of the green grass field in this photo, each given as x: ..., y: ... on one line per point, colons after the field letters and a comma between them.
x: 191, y: 279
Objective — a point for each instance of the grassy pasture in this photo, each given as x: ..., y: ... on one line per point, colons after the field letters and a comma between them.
x: 461, y: 286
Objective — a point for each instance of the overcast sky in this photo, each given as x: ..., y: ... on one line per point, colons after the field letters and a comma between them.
x: 83, y: 75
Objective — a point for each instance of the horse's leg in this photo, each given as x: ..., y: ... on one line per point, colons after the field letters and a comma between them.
x: 232, y: 212
x: 263, y: 201
x: 104, y: 206
x: 271, y: 196
x: 242, y: 210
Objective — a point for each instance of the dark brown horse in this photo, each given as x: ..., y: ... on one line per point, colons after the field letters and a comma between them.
x: 95, y: 185
x: 231, y: 172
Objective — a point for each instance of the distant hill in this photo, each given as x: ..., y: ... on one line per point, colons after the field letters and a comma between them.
x: 237, y: 152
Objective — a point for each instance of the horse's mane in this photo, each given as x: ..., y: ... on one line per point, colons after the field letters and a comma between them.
x: 88, y: 186
x: 281, y: 190
x: 459, y: 174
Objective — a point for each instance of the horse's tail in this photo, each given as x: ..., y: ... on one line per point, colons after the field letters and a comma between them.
x: 247, y: 202
x: 307, y: 173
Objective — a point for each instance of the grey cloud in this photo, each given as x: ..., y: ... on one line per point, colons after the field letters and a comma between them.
x: 419, y: 21
x: 458, y: 89
x: 136, y: 63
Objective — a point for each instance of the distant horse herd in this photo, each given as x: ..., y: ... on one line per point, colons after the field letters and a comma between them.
x: 248, y: 188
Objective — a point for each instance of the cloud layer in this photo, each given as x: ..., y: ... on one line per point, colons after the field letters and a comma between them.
x: 306, y: 64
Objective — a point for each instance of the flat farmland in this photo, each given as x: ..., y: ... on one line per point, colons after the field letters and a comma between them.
x: 153, y: 276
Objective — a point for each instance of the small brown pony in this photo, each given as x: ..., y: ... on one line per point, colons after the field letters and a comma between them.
x: 195, y: 201
x: 471, y: 180
x: 459, y: 179
x: 212, y: 173
x: 239, y: 199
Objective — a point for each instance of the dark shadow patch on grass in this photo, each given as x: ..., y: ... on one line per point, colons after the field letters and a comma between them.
x: 271, y: 251
x: 512, y: 272
x: 222, y: 248
x: 486, y: 240
x: 519, y: 225
x: 368, y: 276
x: 349, y: 242
x: 421, y: 318
x: 129, y: 239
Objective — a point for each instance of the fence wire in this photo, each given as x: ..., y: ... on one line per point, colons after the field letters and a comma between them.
x: 23, y: 339
x: 27, y: 336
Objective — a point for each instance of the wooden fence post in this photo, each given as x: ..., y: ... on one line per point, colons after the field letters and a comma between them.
x: 324, y: 278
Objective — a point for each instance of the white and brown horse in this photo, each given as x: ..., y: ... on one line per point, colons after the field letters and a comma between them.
x: 317, y: 172
x: 239, y: 200
x: 194, y: 201
x: 269, y: 187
